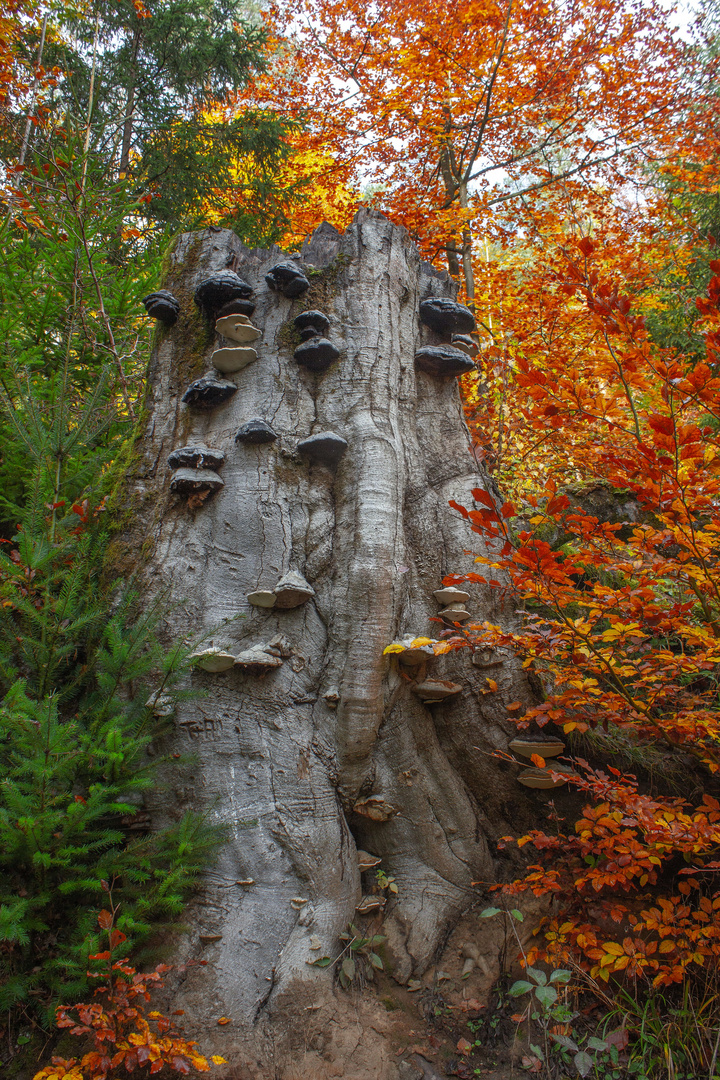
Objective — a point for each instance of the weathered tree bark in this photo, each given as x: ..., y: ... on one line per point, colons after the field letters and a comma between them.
x: 282, y: 758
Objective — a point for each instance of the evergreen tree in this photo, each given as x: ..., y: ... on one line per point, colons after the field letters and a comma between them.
x: 148, y: 86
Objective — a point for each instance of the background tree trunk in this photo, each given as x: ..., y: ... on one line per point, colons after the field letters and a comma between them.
x: 274, y: 760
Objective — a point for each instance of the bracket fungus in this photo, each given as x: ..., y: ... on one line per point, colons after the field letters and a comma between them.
x: 213, y: 659
x: 239, y: 306
x: 370, y: 903
x: 191, y: 481
x: 411, y: 651
x: 292, y: 590
x: 443, y: 361
x: 315, y: 353
x: 262, y: 598
x: 162, y: 705
x: 237, y: 328
x: 229, y: 360
x: 163, y: 306
x: 528, y: 745
x: 432, y: 690
x: 311, y: 323
x: 325, y: 447
x: 257, y: 658
x: 220, y: 289
x: 375, y: 808
x: 465, y: 344
x: 366, y: 861
x: 447, y: 317
x: 255, y: 431
x: 288, y: 279
x: 279, y: 646
x: 208, y: 392
x: 451, y: 595
x: 542, y: 778
x: 195, y: 457
x: 455, y: 613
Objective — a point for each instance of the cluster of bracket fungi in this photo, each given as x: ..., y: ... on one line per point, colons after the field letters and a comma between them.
x: 454, y: 323
x: 225, y: 300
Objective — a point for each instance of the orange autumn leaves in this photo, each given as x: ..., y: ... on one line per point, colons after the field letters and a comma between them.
x: 122, y: 1036
x: 623, y: 619
x: 446, y: 115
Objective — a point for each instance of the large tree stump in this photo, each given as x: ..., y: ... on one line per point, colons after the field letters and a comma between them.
x: 282, y: 757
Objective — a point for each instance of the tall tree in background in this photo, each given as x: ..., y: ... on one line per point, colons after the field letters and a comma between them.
x: 145, y: 87
x: 451, y: 112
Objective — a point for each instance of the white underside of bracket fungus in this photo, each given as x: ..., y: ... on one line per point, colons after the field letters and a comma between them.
x: 213, y: 659
x: 456, y: 613
x: 451, y: 595
x: 262, y: 598
x: 237, y: 328
x: 233, y: 359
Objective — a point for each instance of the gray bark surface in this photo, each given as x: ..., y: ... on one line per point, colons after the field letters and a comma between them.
x: 279, y: 760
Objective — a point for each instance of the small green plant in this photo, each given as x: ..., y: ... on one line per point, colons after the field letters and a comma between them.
x: 385, y: 881
x: 357, y: 960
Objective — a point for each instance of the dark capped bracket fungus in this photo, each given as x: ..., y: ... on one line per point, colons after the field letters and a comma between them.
x: 191, y: 481
x: 220, y: 289
x: 208, y: 392
x: 195, y: 457
x: 451, y: 595
x: 442, y: 361
x: 315, y: 353
x: 236, y: 307
x: 325, y: 447
x: 288, y: 279
x: 447, y: 317
x: 366, y: 861
x: 465, y: 344
x: 237, y: 328
x: 213, y: 659
x: 255, y: 431
x: 162, y: 306
x: 527, y: 745
x: 433, y: 690
x: 311, y: 324
x: 292, y: 590
x: 232, y: 359
x: 375, y: 808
